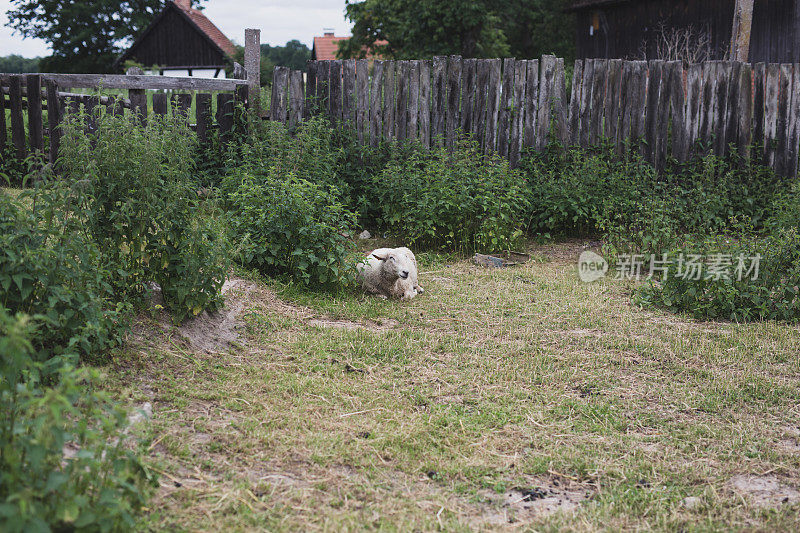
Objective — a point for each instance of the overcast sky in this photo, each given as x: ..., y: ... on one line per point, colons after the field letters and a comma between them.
x: 279, y: 21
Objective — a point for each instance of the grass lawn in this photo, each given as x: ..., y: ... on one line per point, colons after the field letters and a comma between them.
x: 516, y: 398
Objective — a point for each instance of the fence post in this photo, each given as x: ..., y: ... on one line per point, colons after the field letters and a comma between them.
x: 138, y: 97
x: 33, y: 84
x: 53, y: 118
x: 252, y: 65
x: 17, y: 124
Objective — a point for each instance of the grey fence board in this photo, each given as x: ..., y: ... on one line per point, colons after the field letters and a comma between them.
x: 362, y: 100
x: 492, y: 104
x: 425, y: 103
x: 376, y: 104
x: 584, y: 121
x: 413, y: 100
x: 506, y: 106
x: 296, y: 98
x: 599, y: 82
x: 348, y: 91
x: 453, y: 116
x: 401, y: 111
x: 35, y: 133
x: 389, y: 100
x: 575, y: 100
x: 468, y: 90
x: 17, y: 124
x: 439, y: 99
x: 335, y: 91
x: 531, y: 105
x: 518, y: 115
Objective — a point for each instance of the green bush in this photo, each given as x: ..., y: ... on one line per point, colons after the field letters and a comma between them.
x: 462, y: 200
x: 50, y: 269
x: 99, y: 488
x: 773, y: 294
x: 285, y: 225
x: 140, y: 206
x: 594, y: 192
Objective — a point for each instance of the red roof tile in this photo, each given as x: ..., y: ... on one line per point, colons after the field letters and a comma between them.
x: 325, y: 47
x: 208, y: 27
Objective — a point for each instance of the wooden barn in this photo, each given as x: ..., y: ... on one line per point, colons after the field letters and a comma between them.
x: 647, y: 29
x: 182, y: 41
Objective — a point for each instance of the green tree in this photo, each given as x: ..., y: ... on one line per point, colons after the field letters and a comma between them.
x: 293, y: 55
x: 85, y: 35
x: 418, y: 29
x: 16, y: 64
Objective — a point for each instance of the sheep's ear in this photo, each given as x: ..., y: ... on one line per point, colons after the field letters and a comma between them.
x: 381, y: 258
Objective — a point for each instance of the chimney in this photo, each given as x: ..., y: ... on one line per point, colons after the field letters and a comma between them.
x: 184, y: 4
x: 328, y: 32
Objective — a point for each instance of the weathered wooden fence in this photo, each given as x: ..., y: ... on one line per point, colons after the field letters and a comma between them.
x: 36, y: 93
x: 659, y: 108
x: 43, y: 92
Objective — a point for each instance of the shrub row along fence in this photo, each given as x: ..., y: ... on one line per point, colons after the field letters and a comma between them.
x: 25, y: 98
x: 34, y: 94
x: 660, y: 108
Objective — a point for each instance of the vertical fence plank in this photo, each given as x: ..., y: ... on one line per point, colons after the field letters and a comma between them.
x: 468, y: 88
x: 584, y: 121
x: 611, y: 104
x: 759, y: 81
x: 389, y: 99
x: 482, y: 68
x: 280, y: 89
x: 547, y: 95
x: 252, y: 65
x: 3, y: 130
x: 784, y: 100
x: 375, y: 104
x: 506, y: 105
x: 413, y: 100
x: 35, y: 126
x: 639, y: 100
x: 203, y: 112
x: 225, y: 115
x: 453, y: 117
x: 560, y: 109
x: 771, y: 112
x: 335, y: 83
x: 723, y: 78
x: 575, y: 102
x: 709, y: 104
x: 663, y: 119
x: 745, y: 114
x: 425, y: 103
x: 17, y: 124
x: 362, y: 100
x: 323, y: 87
x: 401, y: 109
x: 492, y: 104
x: 655, y: 70
x: 296, y: 98
x: 626, y: 115
x: 732, y: 106
x: 311, y: 88
x: 91, y: 105
x: 53, y: 119
x: 160, y: 103
x: 677, y: 106
x: 599, y: 82
x: 182, y: 104
x: 694, y: 97
x: 531, y: 105
x: 518, y: 116
x: 439, y: 100
x: 794, y: 123
x: 138, y: 98
x: 349, y: 92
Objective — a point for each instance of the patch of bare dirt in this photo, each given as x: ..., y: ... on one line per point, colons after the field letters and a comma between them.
x: 789, y: 445
x: 763, y: 491
x: 541, y: 497
x: 211, y: 332
x: 217, y: 331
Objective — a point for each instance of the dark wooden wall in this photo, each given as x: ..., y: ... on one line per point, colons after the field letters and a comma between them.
x: 174, y: 42
x: 629, y: 29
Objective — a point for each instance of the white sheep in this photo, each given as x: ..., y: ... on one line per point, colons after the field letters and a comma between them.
x: 391, y: 272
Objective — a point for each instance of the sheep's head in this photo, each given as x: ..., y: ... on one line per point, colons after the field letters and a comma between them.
x: 393, y: 265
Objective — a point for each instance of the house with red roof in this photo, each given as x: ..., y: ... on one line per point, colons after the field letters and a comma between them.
x: 181, y: 41
x: 325, y: 47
